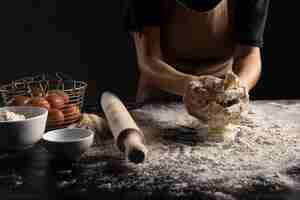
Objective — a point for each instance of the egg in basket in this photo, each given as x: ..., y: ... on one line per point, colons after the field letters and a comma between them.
x: 63, y: 98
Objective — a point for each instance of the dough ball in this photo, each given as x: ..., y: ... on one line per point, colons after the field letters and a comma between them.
x: 216, y: 101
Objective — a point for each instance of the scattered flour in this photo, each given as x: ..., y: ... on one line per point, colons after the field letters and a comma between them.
x: 264, y: 154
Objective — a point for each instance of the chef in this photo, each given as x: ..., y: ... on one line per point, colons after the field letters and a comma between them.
x: 178, y: 41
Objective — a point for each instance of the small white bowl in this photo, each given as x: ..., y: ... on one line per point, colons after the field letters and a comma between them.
x: 68, y: 143
x: 21, y: 134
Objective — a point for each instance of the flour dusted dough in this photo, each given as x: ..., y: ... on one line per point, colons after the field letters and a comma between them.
x: 94, y: 123
x: 217, y: 102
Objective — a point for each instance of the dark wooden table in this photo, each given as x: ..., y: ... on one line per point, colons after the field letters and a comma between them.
x: 35, y: 174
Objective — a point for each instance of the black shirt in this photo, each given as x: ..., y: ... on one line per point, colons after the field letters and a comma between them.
x: 249, y: 16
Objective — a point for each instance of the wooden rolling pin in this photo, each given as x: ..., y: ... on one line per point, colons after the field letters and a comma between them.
x: 128, y: 137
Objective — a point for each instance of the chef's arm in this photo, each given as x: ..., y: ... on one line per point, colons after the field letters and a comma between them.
x: 153, y: 69
x: 247, y: 65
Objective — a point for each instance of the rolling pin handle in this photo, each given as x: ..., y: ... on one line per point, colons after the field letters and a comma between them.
x: 128, y: 137
x: 135, y: 150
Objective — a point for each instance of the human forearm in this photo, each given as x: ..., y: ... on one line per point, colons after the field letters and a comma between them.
x: 247, y: 65
x: 154, y: 70
x: 161, y: 75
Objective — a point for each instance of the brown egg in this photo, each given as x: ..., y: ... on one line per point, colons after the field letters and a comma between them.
x: 71, y: 109
x: 55, y: 101
x: 19, y: 100
x: 39, y: 102
x: 61, y: 93
x: 55, y: 116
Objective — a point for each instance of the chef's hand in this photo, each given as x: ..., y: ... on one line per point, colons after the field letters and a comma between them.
x: 198, y: 94
x: 234, y: 85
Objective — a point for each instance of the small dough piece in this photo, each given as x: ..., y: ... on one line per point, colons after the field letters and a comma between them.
x: 95, y: 123
x: 100, y: 124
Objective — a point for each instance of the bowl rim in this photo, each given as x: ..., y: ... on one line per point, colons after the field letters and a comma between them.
x: 44, y: 112
x: 90, y: 136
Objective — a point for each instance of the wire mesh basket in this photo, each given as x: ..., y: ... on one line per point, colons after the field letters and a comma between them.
x: 47, y: 82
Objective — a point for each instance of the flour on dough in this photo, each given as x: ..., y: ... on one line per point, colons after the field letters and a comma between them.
x: 217, y: 102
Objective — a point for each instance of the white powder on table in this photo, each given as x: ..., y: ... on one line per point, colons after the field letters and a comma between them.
x: 264, y: 155
x: 11, y: 116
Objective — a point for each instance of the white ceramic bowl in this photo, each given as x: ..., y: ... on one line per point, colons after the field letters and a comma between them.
x: 17, y: 135
x: 68, y: 143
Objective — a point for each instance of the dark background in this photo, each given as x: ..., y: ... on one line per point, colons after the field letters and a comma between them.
x: 86, y: 40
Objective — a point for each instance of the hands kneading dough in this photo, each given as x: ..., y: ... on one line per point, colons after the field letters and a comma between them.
x: 217, y: 101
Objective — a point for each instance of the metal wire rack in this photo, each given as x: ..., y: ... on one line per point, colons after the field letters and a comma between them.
x: 57, y: 81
